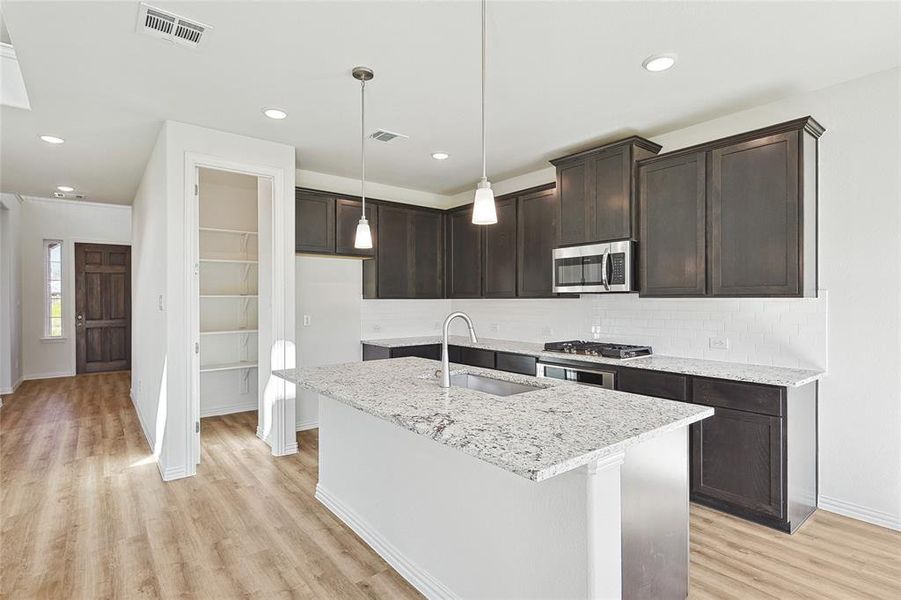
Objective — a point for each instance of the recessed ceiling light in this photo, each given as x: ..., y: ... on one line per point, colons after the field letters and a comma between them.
x: 65, y: 188
x: 275, y: 113
x: 52, y: 139
x: 659, y: 62
x: 440, y: 155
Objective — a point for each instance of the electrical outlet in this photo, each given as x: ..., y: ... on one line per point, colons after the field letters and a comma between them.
x: 307, y: 320
x: 494, y: 328
x: 160, y: 303
x: 436, y: 326
x: 547, y: 330
x: 376, y: 327
x: 719, y: 343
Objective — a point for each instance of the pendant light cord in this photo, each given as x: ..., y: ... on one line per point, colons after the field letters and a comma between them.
x: 363, y: 144
x: 484, y: 63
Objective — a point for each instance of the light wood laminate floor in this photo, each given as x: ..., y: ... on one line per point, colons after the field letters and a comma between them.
x: 85, y: 515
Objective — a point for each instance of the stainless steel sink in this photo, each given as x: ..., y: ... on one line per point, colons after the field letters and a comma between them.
x: 489, y: 385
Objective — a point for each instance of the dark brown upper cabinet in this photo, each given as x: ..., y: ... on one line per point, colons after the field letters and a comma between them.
x: 499, y: 254
x: 347, y: 215
x: 410, y: 252
x: 394, y: 261
x: 757, y: 210
x: 314, y: 222
x: 464, y: 255
x: 759, y: 196
x: 427, y: 252
x: 672, y: 205
x: 536, y: 237
x: 596, y: 193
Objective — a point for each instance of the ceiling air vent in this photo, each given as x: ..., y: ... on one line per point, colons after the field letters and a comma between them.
x: 386, y: 136
x: 68, y: 195
x: 170, y: 26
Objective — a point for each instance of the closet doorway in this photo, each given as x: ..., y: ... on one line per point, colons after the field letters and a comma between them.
x: 228, y: 296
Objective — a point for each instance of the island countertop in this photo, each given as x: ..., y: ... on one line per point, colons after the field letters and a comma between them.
x: 717, y: 369
x: 536, y: 435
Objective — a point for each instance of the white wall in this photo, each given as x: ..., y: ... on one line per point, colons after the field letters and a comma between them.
x: 852, y: 328
x: 349, y: 186
x: 160, y: 377
x: 10, y: 293
x: 329, y: 293
x: 149, y: 255
x: 71, y: 222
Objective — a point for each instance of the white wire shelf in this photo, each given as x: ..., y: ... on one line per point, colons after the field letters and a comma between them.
x: 229, y: 295
x: 228, y: 366
x: 230, y: 231
x: 228, y: 331
x: 238, y: 261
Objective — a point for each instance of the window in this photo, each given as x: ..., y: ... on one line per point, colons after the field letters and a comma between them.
x: 53, y: 278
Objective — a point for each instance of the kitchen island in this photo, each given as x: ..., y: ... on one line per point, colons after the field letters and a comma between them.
x: 562, y: 491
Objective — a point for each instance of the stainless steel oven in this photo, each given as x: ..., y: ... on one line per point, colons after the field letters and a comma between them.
x: 599, y: 377
x: 595, y: 268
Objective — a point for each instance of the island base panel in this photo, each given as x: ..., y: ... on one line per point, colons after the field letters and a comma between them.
x: 457, y: 527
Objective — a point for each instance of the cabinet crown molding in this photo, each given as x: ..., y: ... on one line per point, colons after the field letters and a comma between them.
x: 634, y: 140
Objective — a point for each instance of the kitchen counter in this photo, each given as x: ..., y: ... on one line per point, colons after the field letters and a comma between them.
x: 535, y: 435
x: 762, y: 374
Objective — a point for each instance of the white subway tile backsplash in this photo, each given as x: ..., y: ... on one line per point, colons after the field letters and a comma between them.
x: 790, y: 332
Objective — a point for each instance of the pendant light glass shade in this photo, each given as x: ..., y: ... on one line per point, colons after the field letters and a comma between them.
x: 484, y: 211
x: 363, y: 240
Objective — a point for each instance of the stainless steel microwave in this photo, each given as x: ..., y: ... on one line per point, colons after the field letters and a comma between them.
x: 595, y: 268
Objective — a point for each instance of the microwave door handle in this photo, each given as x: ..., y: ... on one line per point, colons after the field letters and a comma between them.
x: 604, y: 279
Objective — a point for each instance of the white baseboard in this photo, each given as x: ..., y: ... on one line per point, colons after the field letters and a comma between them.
x: 146, y: 431
x: 861, y: 513
x: 48, y: 375
x: 308, y: 424
x: 227, y: 409
x: 416, y: 576
x: 11, y: 390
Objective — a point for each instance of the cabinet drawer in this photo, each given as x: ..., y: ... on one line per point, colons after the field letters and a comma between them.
x: 432, y: 351
x: 516, y: 363
x: 748, y: 397
x: 653, y: 383
x: 476, y: 357
x: 372, y: 352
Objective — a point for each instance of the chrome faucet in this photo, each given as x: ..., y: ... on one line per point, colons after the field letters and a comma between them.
x: 445, y: 366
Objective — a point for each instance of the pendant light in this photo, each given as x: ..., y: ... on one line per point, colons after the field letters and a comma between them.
x: 483, y: 209
x: 363, y: 239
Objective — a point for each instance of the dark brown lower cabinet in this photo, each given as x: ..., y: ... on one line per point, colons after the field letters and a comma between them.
x: 737, y: 459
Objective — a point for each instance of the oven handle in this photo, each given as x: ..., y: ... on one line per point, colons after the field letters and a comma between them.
x: 571, y: 373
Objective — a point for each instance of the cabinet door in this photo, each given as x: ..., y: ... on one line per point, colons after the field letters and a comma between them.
x: 426, y: 254
x: 500, y: 252
x: 755, y: 218
x: 393, y: 260
x: 672, y: 226
x: 737, y: 458
x: 612, y: 191
x: 314, y: 223
x: 575, y: 206
x: 536, y: 238
x: 347, y: 215
x: 464, y: 255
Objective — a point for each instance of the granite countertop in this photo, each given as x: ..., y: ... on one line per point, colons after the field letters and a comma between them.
x: 536, y: 435
x: 764, y: 374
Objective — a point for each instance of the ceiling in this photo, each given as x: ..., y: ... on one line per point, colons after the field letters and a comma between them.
x: 561, y: 76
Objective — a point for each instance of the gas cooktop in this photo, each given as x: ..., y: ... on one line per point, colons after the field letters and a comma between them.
x: 598, y: 349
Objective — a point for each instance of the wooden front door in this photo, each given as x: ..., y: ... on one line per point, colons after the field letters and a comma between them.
x: 102, y: 307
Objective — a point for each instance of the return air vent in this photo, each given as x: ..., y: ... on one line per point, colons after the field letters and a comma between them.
x: 68, y: 195
x: 386, y: 136
x: 169, y: 26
